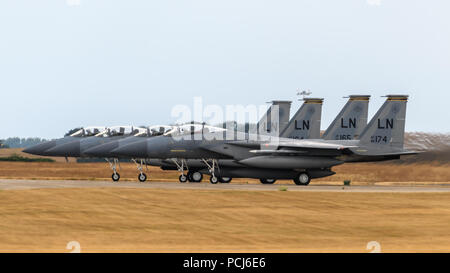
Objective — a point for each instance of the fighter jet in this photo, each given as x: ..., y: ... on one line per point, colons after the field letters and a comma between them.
x: 40, y: 149
x: 268, y: 157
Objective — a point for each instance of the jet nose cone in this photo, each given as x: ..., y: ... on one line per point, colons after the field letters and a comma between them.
x: 40, y: 149
x: 135, y: 149
x: 103, y: 150
x: 71, y: 149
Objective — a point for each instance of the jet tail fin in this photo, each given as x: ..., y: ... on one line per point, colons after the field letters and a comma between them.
x: 350, y: 121
x: 305, y: 124
x: 275, y: 119
x: 385, y: 131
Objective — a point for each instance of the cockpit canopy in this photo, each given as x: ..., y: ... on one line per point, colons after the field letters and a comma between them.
x: 88, y: 131
x: 195, y: 128
x: 155, y: 130
x: 120, y: 131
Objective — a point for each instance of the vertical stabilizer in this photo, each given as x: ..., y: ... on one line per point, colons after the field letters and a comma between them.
x: 350, y: 121
x: 305, y: 124
x: 275, y: 119
x: 387, y: 127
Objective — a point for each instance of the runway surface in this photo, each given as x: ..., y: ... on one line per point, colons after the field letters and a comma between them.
x: 6, y: 184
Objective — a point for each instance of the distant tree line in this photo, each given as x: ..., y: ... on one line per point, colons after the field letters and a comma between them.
x: 17, y: 142
x: 18, y: 158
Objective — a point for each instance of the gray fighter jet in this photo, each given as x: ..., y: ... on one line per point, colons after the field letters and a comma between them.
x: 40, y: 149
x: 268, y: 157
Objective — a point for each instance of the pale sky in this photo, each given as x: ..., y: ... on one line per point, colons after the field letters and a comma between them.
x: 69, y: 63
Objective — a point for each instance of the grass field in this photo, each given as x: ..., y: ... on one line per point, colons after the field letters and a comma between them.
x: 157, y: 220
x: 135, y: 220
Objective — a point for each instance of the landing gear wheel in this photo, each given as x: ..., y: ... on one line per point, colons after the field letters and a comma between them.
x: 213, y: 180
x: 225, y: 179
x: 115, y: 177
x: 267, y: 180
x: 302, y: 179
x: 182, y: 178
x: 196, y: 177
x: 142, y: 177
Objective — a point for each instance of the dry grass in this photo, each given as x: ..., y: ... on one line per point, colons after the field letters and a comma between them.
x: 149, y: 220
x: 370, y: 172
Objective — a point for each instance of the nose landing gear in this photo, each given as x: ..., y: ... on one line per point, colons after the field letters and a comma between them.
x: 142, y: 176
x: 181, y: 166
x: 213, y: 180
x: 115, y: 176
x: 211, y: 168
x: 182, y: 178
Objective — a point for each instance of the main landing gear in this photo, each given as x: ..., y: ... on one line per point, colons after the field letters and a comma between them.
x: 267, y: 180
x: 302, y: 179
x: 225, y: 179
x: 195, y: 176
